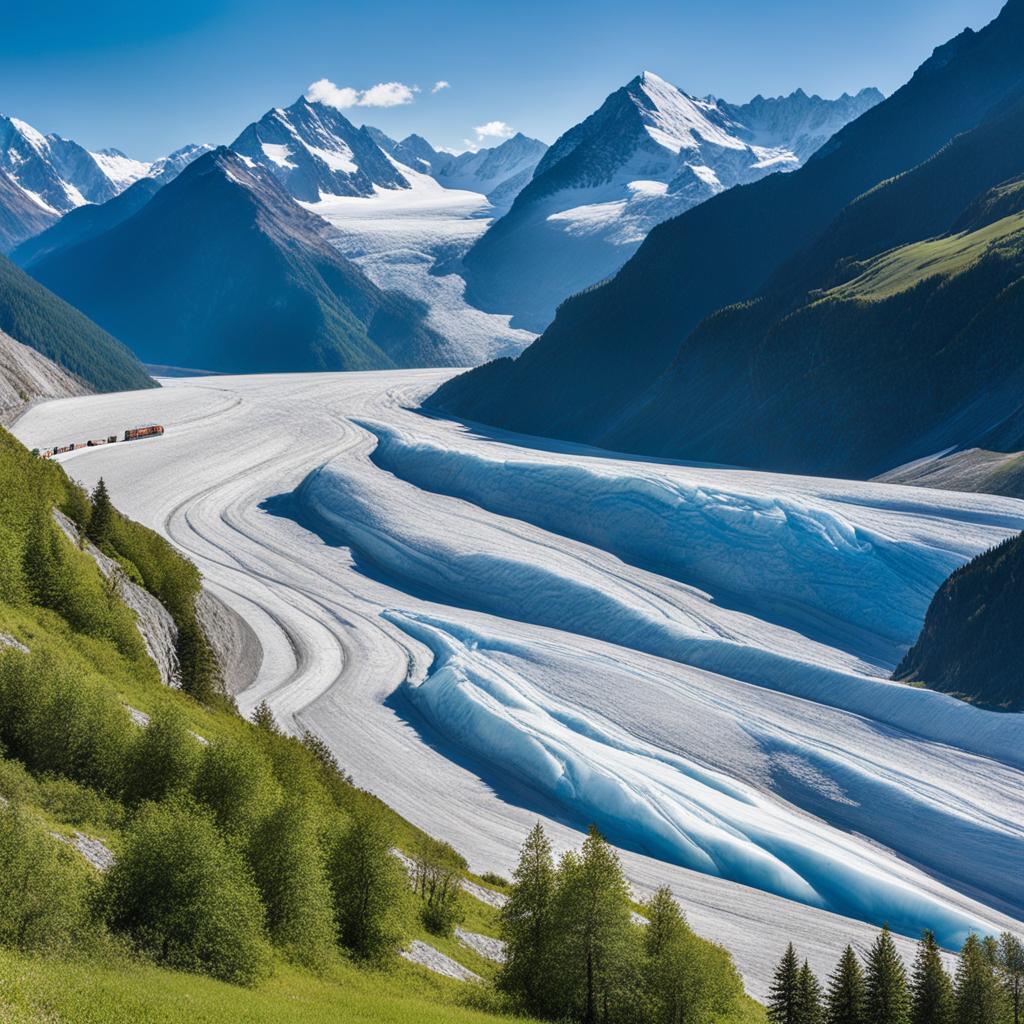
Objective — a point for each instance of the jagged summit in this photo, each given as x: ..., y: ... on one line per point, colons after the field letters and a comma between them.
x: 648, y: 153
x: 314, y: 150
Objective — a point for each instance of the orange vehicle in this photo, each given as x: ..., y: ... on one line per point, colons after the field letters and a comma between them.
x: 137, y: 433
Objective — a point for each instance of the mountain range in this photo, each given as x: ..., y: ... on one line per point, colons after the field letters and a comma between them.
x: 43, y: 177
x: 648, y: 153
x: 857, y: 312
x: 499, y: 172
x: 237, y: 277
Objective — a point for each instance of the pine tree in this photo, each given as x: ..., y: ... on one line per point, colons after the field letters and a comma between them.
x: 845, y: 1001
x: 979, y: 998
x: 101, y: 521
x: 263, y: 718
x: 887, y: 1000
x: 1010, y: 970
x: 808, y: 997
x: 931, y: 992
x: 784, y: 994
x: 527, y: 926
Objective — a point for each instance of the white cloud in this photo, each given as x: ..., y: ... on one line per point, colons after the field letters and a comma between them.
x: 493, y: 130
x: 384, y: 94
x: 442, y: 84
x: 330, y: 95
x: 388, y: 94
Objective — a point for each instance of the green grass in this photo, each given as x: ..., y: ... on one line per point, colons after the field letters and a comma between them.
x: 50, y: 991
x: 901, y: 269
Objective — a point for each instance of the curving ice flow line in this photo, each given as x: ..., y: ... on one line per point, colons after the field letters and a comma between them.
x: 701, y: 651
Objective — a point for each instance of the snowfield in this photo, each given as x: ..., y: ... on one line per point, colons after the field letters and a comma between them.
x: 488, y: 630
x: 397, y: 236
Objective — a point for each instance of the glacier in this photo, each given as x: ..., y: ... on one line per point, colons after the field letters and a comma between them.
x: 489, y: 630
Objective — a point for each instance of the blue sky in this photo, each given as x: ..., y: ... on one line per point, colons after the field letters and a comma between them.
x: 147, y: 77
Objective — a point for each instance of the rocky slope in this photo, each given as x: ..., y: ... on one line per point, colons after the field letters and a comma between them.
x: 27, y: 377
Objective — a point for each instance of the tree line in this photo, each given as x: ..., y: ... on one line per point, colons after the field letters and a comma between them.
x: 986, y: 988
x: 577, y: 951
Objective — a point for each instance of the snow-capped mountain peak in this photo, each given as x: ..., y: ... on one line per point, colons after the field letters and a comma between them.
x: 678, y: 121
x: 122, y: 170
x: 648, y: 153
x: 314, y: 150
x: 498, y: 172
x: 56, y: 175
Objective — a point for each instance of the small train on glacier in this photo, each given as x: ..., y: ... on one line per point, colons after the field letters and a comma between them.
x: 131, y: 434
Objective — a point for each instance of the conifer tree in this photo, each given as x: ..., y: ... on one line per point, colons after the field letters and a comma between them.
x: 979, y: 998
x: 101, y: 521
x: 263, y: 718
x: 1010, y: 970
x: 809, y: 1009
x: 845, y: 1001
x: 931, y: 992
x: 887, y: 999
x: 527, y: 926
x: 784, y: 994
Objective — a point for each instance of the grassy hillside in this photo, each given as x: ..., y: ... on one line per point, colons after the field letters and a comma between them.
x: 36, y: 990
x: 36, y: 317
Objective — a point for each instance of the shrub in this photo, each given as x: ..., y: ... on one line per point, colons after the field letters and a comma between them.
x: 44, y: 888
x: 55, y: 721
x: 185, y: 897
x: 370, y: 886
x: 164, y: 759
x: 236, y: 783
x: 289, y: 869
x: 437, y: 878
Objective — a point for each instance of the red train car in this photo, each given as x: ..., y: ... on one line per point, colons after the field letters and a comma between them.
x: 137, y: 433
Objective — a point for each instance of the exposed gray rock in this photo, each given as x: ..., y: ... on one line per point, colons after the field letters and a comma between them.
x: 98, y: 854
x: 6, y: 640
x: 234, y: 641
x: 488, y: 896
x: 27, y: 377
x: 156, y: 627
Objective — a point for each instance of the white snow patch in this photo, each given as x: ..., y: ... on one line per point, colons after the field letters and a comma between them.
x: 121, y: 170
x: 436, y: 961
x: 277, y: 152
x: 483, y: 945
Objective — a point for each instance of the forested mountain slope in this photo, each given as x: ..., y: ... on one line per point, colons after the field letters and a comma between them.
x: 583, y: 376
x: 31, y: 314
x: 972, y: 643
